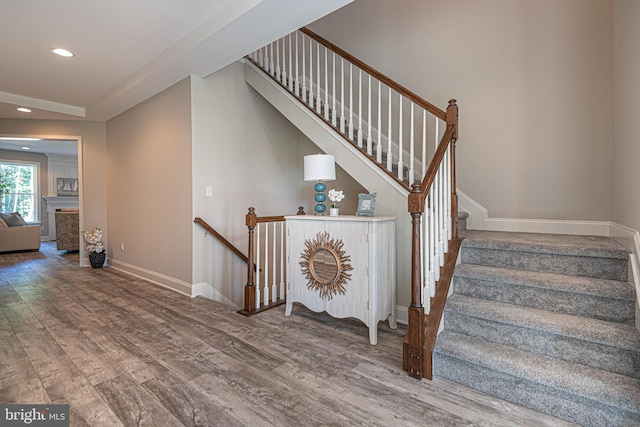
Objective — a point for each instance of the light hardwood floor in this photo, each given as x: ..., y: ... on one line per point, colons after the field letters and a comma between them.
x: 122, y: 351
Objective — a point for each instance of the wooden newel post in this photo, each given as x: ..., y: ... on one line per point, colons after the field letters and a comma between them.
x: 414, y: 340
x: 250, y: 287
x: 452, y: 118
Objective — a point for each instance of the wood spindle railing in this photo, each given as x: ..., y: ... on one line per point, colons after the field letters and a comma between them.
x: 426, y: 168
x: 265, y: 287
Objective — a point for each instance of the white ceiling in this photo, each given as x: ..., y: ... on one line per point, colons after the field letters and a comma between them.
x: 127, y: 51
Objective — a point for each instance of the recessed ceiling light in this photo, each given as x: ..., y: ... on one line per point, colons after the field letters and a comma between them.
x: 23, y: 109
x: 26, y: 148
x: 63, y: 52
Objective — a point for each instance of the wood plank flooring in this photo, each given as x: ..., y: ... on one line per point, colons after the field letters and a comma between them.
x: 121, y: 351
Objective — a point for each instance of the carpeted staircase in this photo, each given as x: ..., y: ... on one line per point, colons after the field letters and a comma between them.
x: 546, y: 321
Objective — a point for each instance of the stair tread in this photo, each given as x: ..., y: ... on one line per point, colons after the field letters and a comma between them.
x: 560, y: 282
x: 586, y: 329
x: 602, y: 386
x: 588, y: 246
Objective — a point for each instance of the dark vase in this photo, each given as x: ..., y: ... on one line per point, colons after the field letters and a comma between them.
x: 97, y: 259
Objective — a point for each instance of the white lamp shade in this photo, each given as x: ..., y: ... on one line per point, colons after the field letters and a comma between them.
x: 319, y: 167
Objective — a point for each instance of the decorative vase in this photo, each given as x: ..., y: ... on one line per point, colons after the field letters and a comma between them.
x: 334, y: 211
x: 97, y: 259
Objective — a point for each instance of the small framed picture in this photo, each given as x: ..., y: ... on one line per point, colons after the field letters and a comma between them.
x: 366, y: 204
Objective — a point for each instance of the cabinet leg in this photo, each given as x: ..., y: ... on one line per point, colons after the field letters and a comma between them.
x: 288, y: 308
x: 392, y: 322
x: 373, y: 335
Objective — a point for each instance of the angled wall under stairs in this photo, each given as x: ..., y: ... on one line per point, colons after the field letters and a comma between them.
x: 391, y: 196
x: 546, y: 321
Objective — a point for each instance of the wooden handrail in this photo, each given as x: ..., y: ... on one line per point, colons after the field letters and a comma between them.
x: 221, y: 238
x: 377, y: 74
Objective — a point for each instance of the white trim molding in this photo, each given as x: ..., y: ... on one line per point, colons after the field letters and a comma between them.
x: 479, y: 220
x: 170, y: 283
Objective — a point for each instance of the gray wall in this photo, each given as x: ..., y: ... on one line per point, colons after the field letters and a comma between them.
x: 626, y: 171
x: 533, y: 79
x: 149, y: 184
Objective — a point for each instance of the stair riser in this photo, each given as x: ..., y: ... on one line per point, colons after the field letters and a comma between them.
x: 593, y: 306
x: 533, y: 395
x: 570, y: 349
x: 599, y: 268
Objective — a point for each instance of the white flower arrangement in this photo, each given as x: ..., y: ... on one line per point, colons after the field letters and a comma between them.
x: 336, y: 197
x: 94, y: 240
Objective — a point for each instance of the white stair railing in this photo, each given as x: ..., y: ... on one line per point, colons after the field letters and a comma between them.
x: 363, y: 105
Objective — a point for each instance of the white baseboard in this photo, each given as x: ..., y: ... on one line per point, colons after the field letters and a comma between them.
x: 204, y: 289
x: 171, y: 283
x: 479, y: 220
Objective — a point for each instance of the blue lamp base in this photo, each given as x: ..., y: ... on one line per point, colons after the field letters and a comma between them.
x: 320, y: 197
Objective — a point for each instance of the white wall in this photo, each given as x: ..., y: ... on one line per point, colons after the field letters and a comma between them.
x: 533, y: 82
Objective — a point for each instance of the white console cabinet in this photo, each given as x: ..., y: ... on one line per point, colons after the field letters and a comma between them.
x: 352, y: 254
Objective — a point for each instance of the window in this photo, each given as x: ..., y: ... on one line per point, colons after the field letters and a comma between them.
x: 19, y: 187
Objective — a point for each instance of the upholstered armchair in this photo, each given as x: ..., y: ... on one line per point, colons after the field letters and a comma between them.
x: 68, y: 230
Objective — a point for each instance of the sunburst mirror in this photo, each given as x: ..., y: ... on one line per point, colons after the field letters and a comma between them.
x: 325, y: 265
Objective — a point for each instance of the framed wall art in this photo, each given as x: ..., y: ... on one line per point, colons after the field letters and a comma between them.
x: 366, y: 204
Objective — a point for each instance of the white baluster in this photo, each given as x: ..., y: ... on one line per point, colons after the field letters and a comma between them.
x: 266, y: 264
x: 326, y: 84
x: 272, y: 67
x: 282, y: 255
x: 310, y: 101
x: 258, y: 254
x: 448, y: 192
x: 424, y: 144
x: 290, y: 82
x: 334, y: 113
x: 437, y: 140
x: 411, y: 148
x: 436, y: 200
x: 432, y: 243
x: 351, y: 101
x: 389, y: 139
x: 274, y: 285
x: 424, y: 266
x: 304, y: 73
x: 318, y: 97
x: 379, y: 145
x: 441, y: 214
x: 369, y: 140
x: 278, y: 60
x: 342, y: 119
x: 360, y: 108
x: 297, y: 75
x: 400, y: 149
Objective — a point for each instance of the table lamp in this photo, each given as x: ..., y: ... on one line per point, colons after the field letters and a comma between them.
x: 319, y: 167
